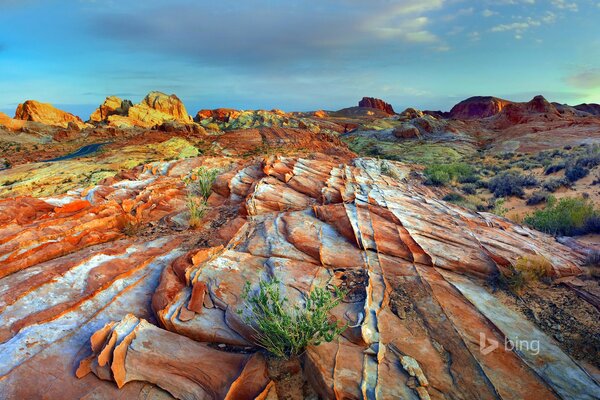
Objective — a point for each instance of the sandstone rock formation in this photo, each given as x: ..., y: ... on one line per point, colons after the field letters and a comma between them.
x: 371, y: 102
x: 229, y: 119
x: 407, y: 131
x: 155, y: 109
x: 170, y: 105
x: 478, y: 107
x: 45, y: 113
x: 111, y: 106
x: 410, y: 113
x: 416, y: 268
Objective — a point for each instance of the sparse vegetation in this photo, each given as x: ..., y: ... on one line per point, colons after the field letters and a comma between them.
x: 442, y: 174
x: 527, y: 269
x: 511, y: 184
x: 537, y: 198
x: 575, y: 172
x: 569, y: 216
x: 552, y: 185
x: 197, y: 207
x: 201, y: 181
x: 285, y: 330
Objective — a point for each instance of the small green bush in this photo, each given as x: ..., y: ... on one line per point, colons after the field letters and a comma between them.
x: 554, y: 168
x: 527, y: 269
x: 283, y: 330
x: 569, y: 216
x: 537, y: 198
x: 469, y: 188
x: 510, y: 184
x: 453, y: 198
x: 198, y: 207
x: 201, y: 181
x: 552, y: 185
x: 575, y: 172
x: 442, y: 174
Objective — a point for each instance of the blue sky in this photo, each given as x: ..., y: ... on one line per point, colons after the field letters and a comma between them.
x: 297, y: 54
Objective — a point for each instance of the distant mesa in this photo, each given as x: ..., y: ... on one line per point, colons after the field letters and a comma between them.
x: 478, y: 107
x: 371, y: 102
x: 45, y: 113
x: 593, y: 109
x: 156, y: 109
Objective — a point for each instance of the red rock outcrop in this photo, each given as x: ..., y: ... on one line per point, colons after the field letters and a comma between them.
x: 45, y: 113
x: 478, y: 107
x: 371, y: 102
x: 218, y: 114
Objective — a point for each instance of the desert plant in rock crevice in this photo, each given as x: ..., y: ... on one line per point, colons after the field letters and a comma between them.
x: 198, y: 207
x: 199, y: 189
x: 526, y: 270
x: 201, y: 181
x: 284, y: 330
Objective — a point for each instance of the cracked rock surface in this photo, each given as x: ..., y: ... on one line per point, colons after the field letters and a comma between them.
x: 90, y: 313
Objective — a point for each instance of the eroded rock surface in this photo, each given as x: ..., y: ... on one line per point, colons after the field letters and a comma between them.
x: 415, y: 268
x: 371, y: 102
x: 45, y: 113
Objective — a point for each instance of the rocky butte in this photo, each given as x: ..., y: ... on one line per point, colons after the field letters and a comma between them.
x: 121, y: 279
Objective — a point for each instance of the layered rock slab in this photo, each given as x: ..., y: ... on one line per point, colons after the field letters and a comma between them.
x: 414, y: 266
x: 354, y: 220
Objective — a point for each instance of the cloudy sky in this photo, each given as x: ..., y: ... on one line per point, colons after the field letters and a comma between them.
x: 297, y: 54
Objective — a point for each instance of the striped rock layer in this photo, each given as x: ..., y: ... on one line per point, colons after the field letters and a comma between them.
x: 106, y: 316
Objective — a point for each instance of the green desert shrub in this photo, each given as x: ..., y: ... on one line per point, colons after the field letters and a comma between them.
x: 552, y: 185
x: 469, y: 188
x: 453, y: 198
x: 201, y: 181
x: 537, y: 198
x: 569, y: 216
x: 575, y: 172
x: 510, y: 184
x: 285, y: 330
x: 551, y: 169
x: 197, y: 207
x: 527, y: 269
x: 442, y: 174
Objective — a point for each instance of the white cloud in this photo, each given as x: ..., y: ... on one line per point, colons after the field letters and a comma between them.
x: 565, y: 5
x: 488, y: 13
x: 524, y: 24
x: 404, y: 22
x: 586, y: 78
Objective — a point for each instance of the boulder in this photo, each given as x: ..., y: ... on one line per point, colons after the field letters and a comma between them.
x: 45, y: 113
x: 410, y: 113
x: 320, y: 114
x: 407, y: 131
x: 371, y: 102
